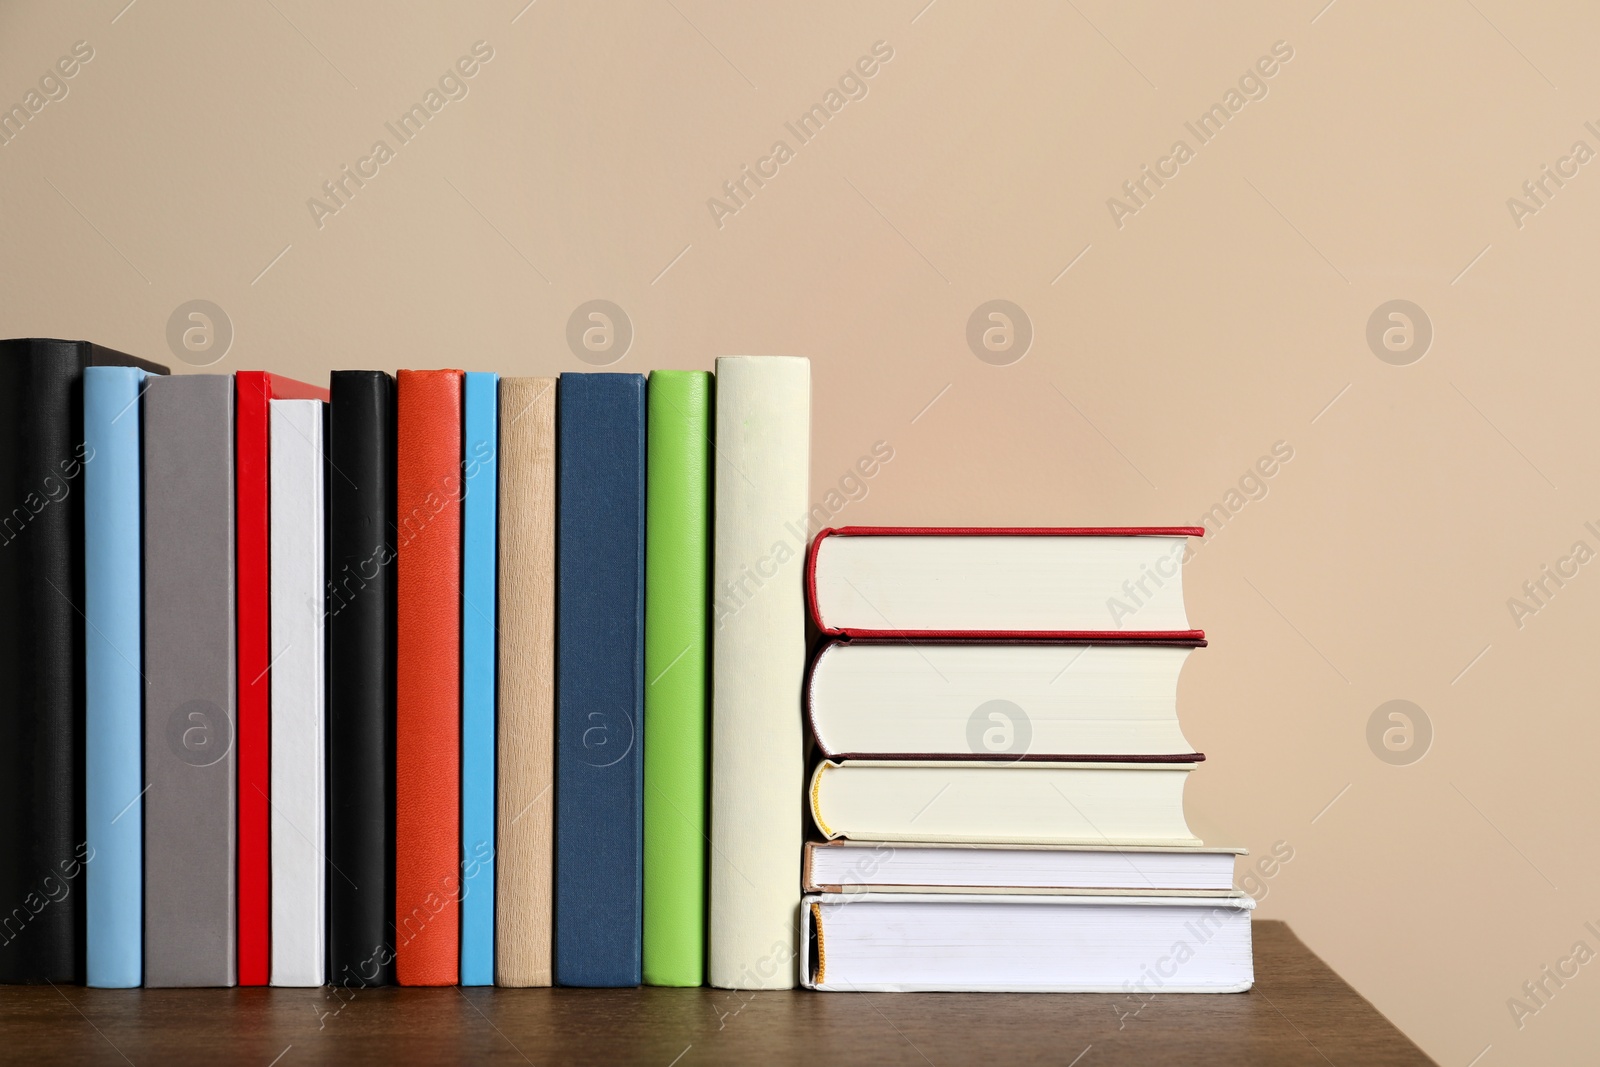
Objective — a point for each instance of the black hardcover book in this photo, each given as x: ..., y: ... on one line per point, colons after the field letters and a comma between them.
x: 361, y: 678
x: 42, y: 839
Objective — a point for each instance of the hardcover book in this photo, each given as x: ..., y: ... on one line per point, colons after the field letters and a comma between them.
x: 478, y: 545
x: 190, y: 903
x: 525, y: 825
x: 1010, y: 943
x: 985, y: 801
x: 299, y: 694
x: 1074, y: 584
x: 758, y: 666
x: 113, y: 680
x: 254, y: 393
x: 600, y: 517
x: 361, y: 678
x: 676, y: 662
x: 427, y: 842
x: 999, y: 700
x: 934, y: 866
x: 42, y: 844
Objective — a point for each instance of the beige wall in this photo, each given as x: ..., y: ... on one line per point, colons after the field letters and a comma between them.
x: 1223, y: 316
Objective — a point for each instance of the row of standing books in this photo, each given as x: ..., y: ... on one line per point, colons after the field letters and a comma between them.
x: 407, y: 679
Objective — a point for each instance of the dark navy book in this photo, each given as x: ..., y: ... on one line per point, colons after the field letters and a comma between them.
x: 600, y: 521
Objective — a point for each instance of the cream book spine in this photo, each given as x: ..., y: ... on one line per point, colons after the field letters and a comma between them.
x: 525, y: 737
x: 763, y: 442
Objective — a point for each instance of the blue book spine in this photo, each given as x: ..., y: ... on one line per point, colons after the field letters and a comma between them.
x: 481, y: 442
x: 113, y: 730
x: 600, y: 523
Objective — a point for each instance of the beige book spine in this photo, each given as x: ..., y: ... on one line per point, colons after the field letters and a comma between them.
x: 526, y: 725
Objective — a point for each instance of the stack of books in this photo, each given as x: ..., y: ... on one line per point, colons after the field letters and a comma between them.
x: 1001, y: 791
x: 399, y: 678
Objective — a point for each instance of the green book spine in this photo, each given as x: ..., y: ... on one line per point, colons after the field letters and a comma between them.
x: 676, y: 655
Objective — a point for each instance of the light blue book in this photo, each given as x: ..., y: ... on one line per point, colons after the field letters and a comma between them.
x: 481, y: 440
x: 113, y: 733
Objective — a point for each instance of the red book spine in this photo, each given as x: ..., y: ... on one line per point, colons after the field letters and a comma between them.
x: 252, y: 525
x: 427, y: 837
x: 251, y: 444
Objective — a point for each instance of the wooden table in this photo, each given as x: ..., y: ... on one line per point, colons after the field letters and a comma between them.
x: 1300, y: 1012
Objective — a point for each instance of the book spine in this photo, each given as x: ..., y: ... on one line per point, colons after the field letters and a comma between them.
x: 428, y: 492
x: 361, y: 678
x: 478, y: 534
x: 299, y: 694
x: 527, y: 679
x: 114, y: 690
x: 676, y: 657
x: 41, y: 662
x: 758, y: 663
x: 252, y: 490
x: 190, y: 724
x: 600, y: 486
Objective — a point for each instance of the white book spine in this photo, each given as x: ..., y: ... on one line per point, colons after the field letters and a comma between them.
x: 299, y: 702
x: 758, y: 656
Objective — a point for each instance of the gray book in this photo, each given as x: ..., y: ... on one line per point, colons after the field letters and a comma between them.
x: 190, y: 724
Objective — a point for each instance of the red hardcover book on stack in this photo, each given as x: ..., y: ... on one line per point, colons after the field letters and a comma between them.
x: 252, y: 488
x: 982, y: 644
x: 1119, y: 584
x: 427, y: 783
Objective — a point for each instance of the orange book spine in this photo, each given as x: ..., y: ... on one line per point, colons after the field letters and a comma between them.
x: 427, y: 533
